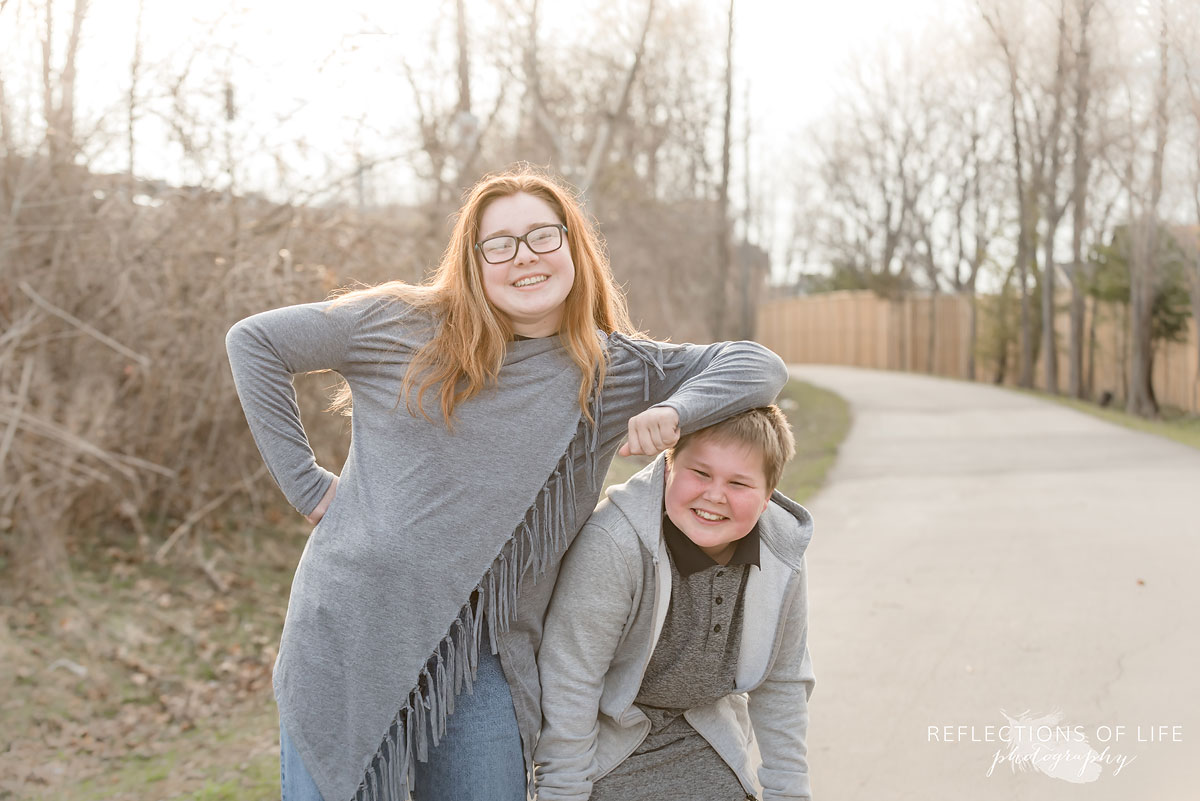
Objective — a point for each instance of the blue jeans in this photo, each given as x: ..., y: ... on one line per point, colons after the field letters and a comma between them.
x: 478, y: 759
x: 295, y: 783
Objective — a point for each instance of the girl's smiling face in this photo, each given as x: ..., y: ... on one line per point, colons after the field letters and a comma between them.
x: 715, y: 492
x: 530, y: 289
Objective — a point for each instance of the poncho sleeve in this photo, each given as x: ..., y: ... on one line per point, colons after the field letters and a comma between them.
x: 265, y: 351
x: 704, y: 384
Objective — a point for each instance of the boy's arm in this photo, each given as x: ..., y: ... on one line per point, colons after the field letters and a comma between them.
x: 779, y: 709
x: 592, y: 603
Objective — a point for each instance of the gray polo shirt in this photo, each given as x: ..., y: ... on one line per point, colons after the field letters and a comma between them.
x: 694, y: 663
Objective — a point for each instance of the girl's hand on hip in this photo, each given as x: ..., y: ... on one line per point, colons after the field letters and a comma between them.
x: 315, y: 515
x: 652, y: 432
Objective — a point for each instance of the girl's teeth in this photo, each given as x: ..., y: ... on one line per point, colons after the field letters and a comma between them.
x: 536, y: 279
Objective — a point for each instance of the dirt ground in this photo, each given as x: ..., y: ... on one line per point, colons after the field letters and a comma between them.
x: 146, y: 681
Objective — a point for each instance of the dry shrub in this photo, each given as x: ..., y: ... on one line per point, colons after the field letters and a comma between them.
x: 116, y: 400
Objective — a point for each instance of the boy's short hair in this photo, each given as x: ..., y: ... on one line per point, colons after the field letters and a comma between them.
x: 765, y: 428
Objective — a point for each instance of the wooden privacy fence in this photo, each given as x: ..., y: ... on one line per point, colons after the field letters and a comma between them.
x: 863, y: 330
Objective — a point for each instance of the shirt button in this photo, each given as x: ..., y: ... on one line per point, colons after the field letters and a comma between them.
x: 717, y: 628
x: 719, y: 599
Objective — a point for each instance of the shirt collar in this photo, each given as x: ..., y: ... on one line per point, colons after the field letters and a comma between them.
x: 690, y: 559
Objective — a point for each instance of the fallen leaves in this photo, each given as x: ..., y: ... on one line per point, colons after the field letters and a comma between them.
x: 141, y: 656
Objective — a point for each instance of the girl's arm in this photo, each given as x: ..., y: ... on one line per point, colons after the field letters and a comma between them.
x: 265, y: 351
x: 701, y: 384
x: 779, y: 709
x: 592, y: 602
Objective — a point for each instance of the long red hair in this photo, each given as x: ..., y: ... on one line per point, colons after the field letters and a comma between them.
x: 466, y: 352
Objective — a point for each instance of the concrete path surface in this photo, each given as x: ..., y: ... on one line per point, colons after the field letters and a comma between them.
x: 988, y: 561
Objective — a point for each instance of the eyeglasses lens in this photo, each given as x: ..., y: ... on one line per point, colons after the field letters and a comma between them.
x: 546, y: 239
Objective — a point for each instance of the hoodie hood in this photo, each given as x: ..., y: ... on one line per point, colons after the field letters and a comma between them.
x: 785, y: 527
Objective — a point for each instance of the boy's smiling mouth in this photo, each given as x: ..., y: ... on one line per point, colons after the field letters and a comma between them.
x: 707, y: 516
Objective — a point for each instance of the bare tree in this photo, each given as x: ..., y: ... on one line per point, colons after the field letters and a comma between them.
x: 600, y: 146
x: 1026, y: 183
x: 865, y: 160
x: 722, y: 211
x: 982, y: 220
x: 1053, y: 207
x: 6, y: 132
x: 135, y: 73
x: 941, y: 187
x: 537, y: 137
x: 745, y: 280
x: 1188, y: 34
x: 1081, y: 162
x: 1144, y: 247
x: 60, y: 115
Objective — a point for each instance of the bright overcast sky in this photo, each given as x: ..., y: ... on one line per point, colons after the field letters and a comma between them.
x: 789, y: 53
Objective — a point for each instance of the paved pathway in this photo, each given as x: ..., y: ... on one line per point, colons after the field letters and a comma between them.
x: 979, y: 552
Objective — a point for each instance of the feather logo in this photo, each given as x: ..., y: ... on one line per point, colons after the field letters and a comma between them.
x: 1043, y: 744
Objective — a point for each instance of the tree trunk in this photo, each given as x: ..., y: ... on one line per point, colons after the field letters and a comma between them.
x: 527, y: 130
x: 1054, y: 213
x: 1143, y: 277
x: 60, y: 118
x: 1049, y: 335
x: 1027, y: 195
x: 1003, y: 335
x: 1024, y: 239
x: 1194, y: 297
x: 67, y: 99
x: 972, y: 329
x: 464, y: 63
x: 748, y: 277
x: 1090, y: 380
x: 1139, y: 398
x: 135, y: 71
x: 468, y: 133
x: 721, y: 286
x: 931, y: 341
x: 6, y: 137
x: 1025, y: 332
x: 1075, y: 383
x: 48, y: 112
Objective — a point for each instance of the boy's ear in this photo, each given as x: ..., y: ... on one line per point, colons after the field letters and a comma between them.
x: 766, y: 503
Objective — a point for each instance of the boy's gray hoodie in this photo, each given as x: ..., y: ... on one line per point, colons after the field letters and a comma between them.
x: 605, y: 618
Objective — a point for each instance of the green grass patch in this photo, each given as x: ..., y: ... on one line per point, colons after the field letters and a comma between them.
x: 195, y: 768
x: 820, y: 420
x: 1174, y: 423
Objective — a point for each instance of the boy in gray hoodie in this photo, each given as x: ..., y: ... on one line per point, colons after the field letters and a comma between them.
x: 674, y: 663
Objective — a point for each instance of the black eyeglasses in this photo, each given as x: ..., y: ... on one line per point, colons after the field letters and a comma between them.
x: 499, y: 249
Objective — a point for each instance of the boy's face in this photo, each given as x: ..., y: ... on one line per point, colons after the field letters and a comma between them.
x: 715, y: 492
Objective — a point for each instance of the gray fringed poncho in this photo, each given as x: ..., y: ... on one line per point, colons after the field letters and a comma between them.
x: 380, y: 632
